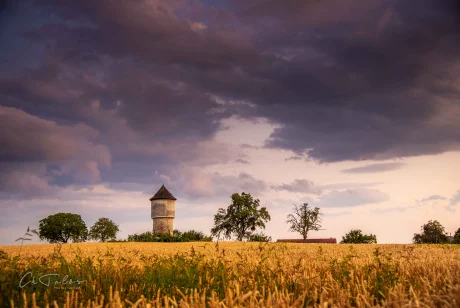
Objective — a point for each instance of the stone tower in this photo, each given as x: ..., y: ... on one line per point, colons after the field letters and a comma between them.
x: 163, y: 206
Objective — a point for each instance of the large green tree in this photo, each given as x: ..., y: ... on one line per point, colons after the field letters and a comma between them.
x: 241, y: 218
x: 432, y: 233
x: 357, y: 237
x: 304, y: 219
x: 104, y: 229
x: 62, y: 227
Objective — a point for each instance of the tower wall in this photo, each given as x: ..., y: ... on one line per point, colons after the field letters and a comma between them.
x: 163, y: 212
x: 163, y: 225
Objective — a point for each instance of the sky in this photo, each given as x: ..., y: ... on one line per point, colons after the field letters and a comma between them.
x: 349, y: 106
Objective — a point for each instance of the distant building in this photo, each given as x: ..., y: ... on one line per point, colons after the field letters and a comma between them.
x: 163, y: 209
x: 311, y: 240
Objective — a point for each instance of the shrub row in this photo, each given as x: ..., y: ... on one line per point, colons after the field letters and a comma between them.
x: 177, y: 236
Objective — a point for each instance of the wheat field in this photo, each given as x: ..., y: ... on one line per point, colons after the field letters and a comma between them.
x: 227, y: 274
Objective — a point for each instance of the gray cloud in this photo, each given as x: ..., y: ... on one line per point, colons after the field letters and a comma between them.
x: 402, y: 209
x: 242, y: 161
x: 37, y: 152
x: 455, y: 198
x: 352, y: 197
x: 300, y: 186
x: 24, y: 185
x: 432, y: 198
x: 453, y: 202
x: 339, y: 186
x: 293, y: 158
x: 375, y: 168
x: 42, y: 140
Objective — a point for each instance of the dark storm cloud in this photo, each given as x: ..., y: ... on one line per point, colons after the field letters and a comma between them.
x: 100, y: 52
x: 362, y: 78
x: 151, y: 105
x: 375, y: 82
x: 149, y: 81
x: 121, y: 88
x: 156, y: 34
x: 375, y: 168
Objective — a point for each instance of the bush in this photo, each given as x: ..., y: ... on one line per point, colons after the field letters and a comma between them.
x: 177, y: 236
x: 152, y: 237
x: 116, y: 241
x: 357, y: 237
x: 259, y: 238
x: 194, y: 236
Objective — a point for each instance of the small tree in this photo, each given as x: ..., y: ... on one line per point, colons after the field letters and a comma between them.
x: 357, y: 237
x: 241, y: 218
x: 432, y: 233
x: 104, y: 229
x: 62, y: 227
x: 304, y: 220
x: 457, y: 237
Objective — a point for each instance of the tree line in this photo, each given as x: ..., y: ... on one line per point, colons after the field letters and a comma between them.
x: 241, y: 220
x: 63, y: 227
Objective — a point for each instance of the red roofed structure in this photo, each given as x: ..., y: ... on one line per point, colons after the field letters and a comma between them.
x: 311, y: 241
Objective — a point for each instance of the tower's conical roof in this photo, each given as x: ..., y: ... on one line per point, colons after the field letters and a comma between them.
x: 163, y: 193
